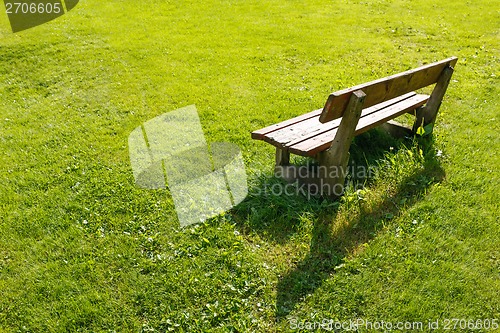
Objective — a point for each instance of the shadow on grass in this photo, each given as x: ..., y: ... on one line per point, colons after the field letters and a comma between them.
x: 331, y: 243
x: 273, y: 207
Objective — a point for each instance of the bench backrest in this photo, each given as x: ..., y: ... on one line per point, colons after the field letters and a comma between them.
x: 387, y: 88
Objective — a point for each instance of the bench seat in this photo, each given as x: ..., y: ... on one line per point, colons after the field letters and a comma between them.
x: 305, y: 135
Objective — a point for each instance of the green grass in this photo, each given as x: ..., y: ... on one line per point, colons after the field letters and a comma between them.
x: 83, y: 250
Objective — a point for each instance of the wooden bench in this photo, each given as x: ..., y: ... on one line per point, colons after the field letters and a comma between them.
x: 326, y: 134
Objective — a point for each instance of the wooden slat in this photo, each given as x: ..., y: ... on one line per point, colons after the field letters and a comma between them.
x: 302, y: 130
x: 288, y: 136
x: 386, y: 88
x: 367, y: 121
x: 378, y: 118
x: 260, y: 134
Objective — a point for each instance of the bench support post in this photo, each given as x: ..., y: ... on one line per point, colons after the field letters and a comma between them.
x: 426, y: 116
x: 282, y: 168
x: 333, y: 161
x: 282, y: 157
x: 396, y: 129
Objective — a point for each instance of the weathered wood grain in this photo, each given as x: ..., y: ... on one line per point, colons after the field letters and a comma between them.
x: 386, y: 88
x: 315, y: 144
x: 287, y: 134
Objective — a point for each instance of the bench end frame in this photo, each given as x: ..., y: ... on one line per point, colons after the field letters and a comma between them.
x: 426, y: 115
x: 333, y: 161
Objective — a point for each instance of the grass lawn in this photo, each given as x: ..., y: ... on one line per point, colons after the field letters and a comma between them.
x: 82, y: 249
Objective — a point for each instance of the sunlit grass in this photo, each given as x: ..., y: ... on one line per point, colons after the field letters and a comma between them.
x: 83, y: 249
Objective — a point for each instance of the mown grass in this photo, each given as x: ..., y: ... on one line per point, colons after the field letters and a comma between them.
x: 82, y: 249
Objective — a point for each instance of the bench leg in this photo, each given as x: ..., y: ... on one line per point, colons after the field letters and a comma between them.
x: 283, y: 169
x: 426, y: 116
x: 282, y: 157
x: 333, y: 161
